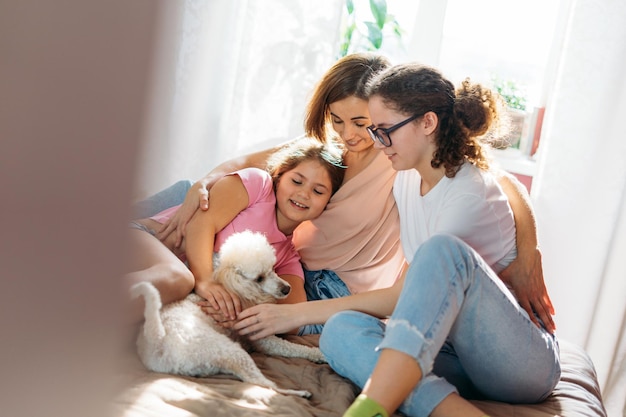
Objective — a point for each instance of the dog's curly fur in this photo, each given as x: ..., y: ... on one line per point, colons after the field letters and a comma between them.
x: 179, y: 338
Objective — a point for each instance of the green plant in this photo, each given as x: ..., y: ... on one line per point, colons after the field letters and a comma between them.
x: 512, y: 94
x: 515, y: 118
x: 353, y: 38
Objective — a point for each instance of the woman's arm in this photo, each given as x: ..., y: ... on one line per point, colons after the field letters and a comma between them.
x: 230, y: 198
x: 252, y: 160
x: 267, y: 319
x: 198, y: 194
x: 525, y: 274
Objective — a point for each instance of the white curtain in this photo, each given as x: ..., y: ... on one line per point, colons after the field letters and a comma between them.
x: 192, y: 70
x: 231, y: 76
x: 580, y: 190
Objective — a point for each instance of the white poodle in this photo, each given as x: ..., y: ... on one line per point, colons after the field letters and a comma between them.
x: 180, y: 339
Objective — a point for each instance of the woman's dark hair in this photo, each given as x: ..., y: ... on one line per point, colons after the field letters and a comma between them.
x: 464, y: 114
x: 328, y: 154
x: 348, y: 77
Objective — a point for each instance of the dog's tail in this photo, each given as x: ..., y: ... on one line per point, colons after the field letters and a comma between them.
x: 153, y: 326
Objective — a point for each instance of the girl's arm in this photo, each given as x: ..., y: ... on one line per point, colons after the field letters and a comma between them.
x: 230, y: 198
x: 198, y: 194
x: 267, y: 319
x: 525, y: 274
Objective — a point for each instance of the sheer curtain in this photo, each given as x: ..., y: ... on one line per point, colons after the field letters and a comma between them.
x: 579, y: 192
x: 231, y: 76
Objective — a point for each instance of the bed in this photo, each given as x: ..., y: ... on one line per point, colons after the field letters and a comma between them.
x: 149, y: 394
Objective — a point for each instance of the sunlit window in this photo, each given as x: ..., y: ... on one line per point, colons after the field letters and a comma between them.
x: 508, y: 40
x: 506, y: 45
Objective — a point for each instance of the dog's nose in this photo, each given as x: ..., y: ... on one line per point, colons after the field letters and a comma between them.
x: 286, y: 289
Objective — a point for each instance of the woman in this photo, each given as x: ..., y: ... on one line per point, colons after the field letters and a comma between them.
x: 354, y: 246
x: 455, y: 326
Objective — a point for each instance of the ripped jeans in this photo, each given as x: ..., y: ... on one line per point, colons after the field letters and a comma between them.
x: 463, y: 327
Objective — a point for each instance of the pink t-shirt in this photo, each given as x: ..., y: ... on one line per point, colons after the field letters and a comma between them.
x: 259, y: 216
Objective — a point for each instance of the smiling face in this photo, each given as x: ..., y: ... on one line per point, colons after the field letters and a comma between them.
x: 412, y: 145
x: 302, y: 194
x: 350, y: 117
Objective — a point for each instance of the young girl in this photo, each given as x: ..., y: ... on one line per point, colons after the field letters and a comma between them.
x: 299, y: 182
x: 455, y: 327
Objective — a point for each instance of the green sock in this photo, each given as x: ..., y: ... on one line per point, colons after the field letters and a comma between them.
x: 364, y: 406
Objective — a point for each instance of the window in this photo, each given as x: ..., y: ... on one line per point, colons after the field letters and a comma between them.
x: 507, y: 39
x: 502, y: 44
x: 507, y: 45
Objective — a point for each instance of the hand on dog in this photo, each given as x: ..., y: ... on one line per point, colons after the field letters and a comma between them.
x: 265, y: 320
x: 219, y: 299
x: 216, y: 315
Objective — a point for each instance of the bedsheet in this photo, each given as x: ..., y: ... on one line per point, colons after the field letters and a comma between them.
x: 149, y: 394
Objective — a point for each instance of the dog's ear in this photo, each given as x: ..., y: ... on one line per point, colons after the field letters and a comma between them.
x: 229, y: 278
x: 222, y: 273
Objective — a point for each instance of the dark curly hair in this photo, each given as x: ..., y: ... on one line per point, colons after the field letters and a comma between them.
x: 465, y: 114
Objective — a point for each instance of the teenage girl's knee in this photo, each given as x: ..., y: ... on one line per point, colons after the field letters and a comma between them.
x: 341, y: 328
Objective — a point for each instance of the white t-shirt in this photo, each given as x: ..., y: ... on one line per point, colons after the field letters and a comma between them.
x: 471, y: 206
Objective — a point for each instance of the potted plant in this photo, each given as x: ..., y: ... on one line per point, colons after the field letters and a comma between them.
x: 364, y: 34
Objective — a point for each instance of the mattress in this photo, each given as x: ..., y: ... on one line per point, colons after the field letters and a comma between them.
x: 148, y: 394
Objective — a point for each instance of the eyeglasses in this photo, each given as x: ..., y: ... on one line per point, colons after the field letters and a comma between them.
x: 382, y: 135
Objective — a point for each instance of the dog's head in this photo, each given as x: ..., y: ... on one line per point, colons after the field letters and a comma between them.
x: 246, y: 267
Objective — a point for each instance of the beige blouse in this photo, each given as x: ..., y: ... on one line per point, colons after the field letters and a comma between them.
x: 358, y: 235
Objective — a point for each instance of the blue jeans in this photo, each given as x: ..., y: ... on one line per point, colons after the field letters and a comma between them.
x: 463, y: 327
x: 321, y: 285
x: 164, y: 199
